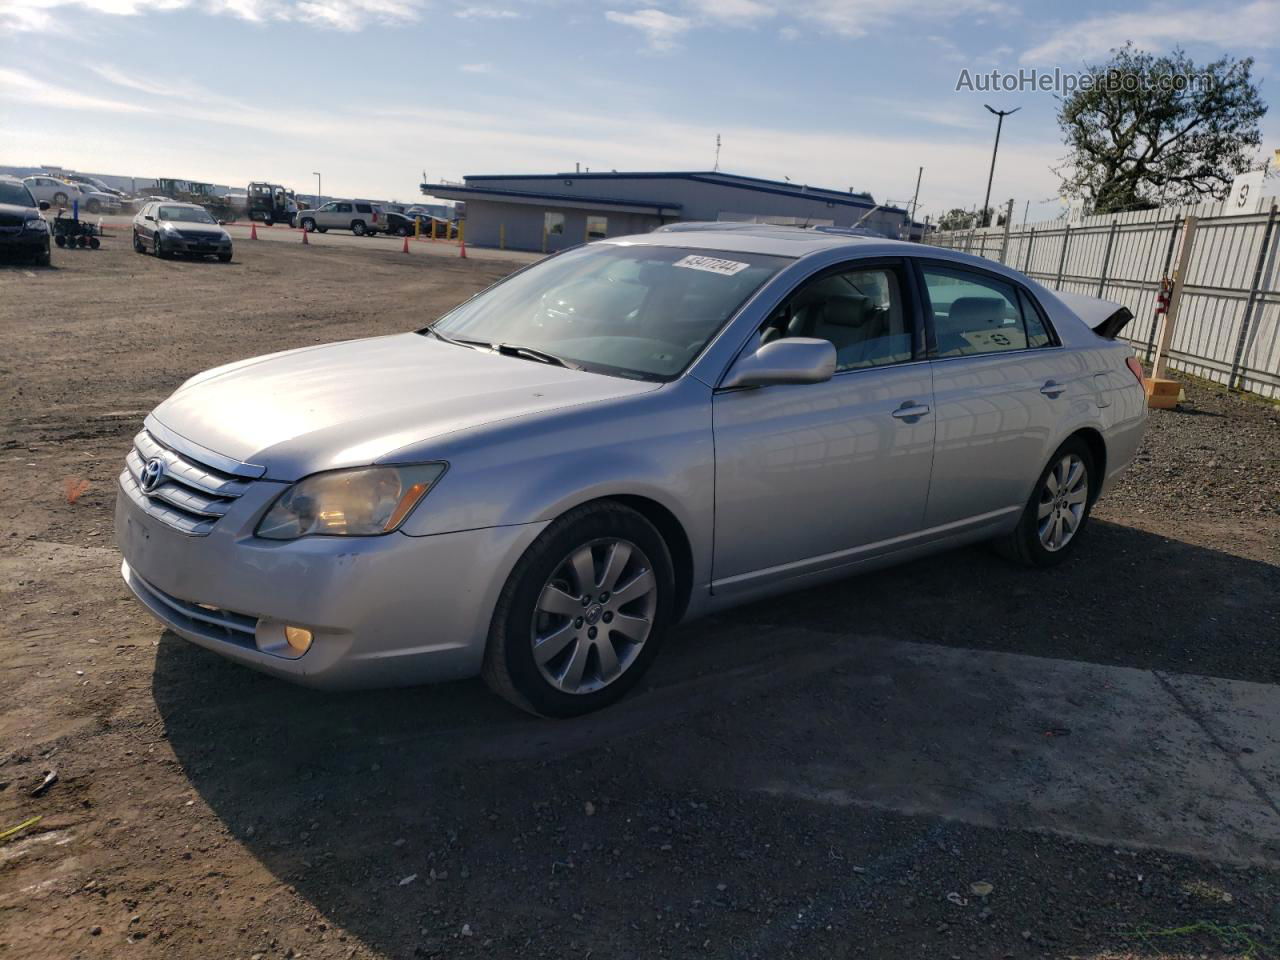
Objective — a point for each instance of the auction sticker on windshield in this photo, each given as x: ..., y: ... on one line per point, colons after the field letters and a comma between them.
x: 712, y: 265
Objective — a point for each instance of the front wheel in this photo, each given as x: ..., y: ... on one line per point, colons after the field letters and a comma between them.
x: 224, y: 257
x: 583, y: 613
x: 308, y: 225
x: 1058, y: 511
x: 138, y: 245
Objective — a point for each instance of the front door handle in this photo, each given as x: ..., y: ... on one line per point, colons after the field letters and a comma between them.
x: 1052, y: 388
x: 911, y: 411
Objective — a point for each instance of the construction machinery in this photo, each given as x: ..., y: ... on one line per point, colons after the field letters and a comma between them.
x: 271, y: 203
x: 202, y: 194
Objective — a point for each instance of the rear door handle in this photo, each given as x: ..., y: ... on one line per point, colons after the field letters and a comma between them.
x: 911, y: 411
x: 1053, y: 389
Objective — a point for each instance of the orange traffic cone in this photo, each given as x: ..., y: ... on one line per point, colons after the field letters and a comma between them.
x: 305, y: 241
x: 406, y: 244
x: 253, y: 231
x: 462, y: 247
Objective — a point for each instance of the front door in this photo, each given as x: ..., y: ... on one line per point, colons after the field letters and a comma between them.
x: 815, y: 476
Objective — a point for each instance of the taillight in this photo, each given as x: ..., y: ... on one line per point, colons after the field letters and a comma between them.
x: 1135, y: 367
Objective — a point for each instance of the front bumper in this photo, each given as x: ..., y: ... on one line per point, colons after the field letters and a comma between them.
x: 194, y: 247
x: 23, y: 243
x: 384, y: 611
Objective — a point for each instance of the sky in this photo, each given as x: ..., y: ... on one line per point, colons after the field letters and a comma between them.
x: 372, y: 94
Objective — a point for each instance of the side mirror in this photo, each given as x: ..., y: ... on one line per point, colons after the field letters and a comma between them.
x: 790, y: 360
x: 43, y: 204
x: 222, y: 223
x: 149, y: 217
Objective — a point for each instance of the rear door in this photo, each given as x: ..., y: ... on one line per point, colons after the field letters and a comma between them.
x: 816, y: 476
x: 1002, y: 388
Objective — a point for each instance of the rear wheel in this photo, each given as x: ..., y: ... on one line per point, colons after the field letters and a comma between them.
x: 1058, y: 510
x: 60, y: 199
x: 583, y: 613
x: 358, y: 228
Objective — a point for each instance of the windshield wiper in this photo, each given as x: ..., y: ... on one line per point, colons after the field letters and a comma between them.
x: 530, y: 353
x: 459, y: 341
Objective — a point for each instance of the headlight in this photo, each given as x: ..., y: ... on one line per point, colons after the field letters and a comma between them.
x: 365, y: 502
x: 36, y: 224
x: 168, y: 228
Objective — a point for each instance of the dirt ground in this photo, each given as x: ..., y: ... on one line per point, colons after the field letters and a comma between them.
x: 203, y: 811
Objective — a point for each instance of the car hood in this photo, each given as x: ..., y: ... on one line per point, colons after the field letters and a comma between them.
x: 18, y: 210
x: 213, y: 229
x: 357, y: 402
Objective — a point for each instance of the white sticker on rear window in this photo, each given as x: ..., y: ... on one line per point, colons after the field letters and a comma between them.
x: 712, y: 265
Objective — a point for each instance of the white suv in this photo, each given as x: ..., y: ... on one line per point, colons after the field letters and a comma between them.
x: 359, y: 216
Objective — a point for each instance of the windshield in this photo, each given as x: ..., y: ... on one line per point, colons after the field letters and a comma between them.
x: 185, y: 214
x: 16, y: 194
x: 636, y: 311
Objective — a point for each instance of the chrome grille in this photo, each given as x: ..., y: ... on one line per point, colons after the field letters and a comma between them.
x: 196, y: 236
x: 192, y: 496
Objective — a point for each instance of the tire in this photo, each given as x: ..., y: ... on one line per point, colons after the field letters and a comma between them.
x: 224, y: 258
x: 402, y: 231
x: 358, y: 228
x: 547, y: 569
x: 138, y: 245
x: 60, y: 240
x: 43, y: 258
x: 94, y: 243
x: 308, y: 224
x: 268, y: 222
x: 60, y: 199
x: 158, y: 249
x: 1031, y: 546
x: 93, y: 206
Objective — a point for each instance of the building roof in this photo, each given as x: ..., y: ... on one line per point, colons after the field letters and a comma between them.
x: 764, y: 238
x: 451, y: 191
x: 476, y: 183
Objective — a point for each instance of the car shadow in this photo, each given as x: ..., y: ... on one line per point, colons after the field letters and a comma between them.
x: 440, y: 821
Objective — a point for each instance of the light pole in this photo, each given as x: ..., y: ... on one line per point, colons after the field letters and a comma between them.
x: 1000, y: 115
x: 319, y: 191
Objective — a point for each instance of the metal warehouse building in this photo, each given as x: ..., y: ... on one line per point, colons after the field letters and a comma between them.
x: 550, y: 212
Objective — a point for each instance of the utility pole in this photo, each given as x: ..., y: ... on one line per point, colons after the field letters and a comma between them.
x: 1000, y: 115
x: 716, y: 168
x: 319, y: 192
x: 916, y: 196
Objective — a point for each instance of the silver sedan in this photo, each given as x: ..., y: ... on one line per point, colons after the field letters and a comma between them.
x: 639, y: 431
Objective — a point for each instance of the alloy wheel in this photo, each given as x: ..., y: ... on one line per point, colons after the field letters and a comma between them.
x: 1063, y: 499
x: 594, y: 615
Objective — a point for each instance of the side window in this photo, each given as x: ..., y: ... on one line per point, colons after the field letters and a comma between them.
x: 1037, y: 333
x: 860, y: 311
x: 364, y: 208
x: 330, y: 207
x: 973, y: 313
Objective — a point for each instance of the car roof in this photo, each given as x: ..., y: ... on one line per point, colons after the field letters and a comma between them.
x: 8, y: 179
x: 767, y: 239
x: 175, y: 203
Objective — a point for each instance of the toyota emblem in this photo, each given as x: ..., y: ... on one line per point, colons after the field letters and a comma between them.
x: 152, y: 474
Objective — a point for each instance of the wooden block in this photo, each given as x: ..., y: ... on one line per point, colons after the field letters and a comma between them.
x: 1163, y: 394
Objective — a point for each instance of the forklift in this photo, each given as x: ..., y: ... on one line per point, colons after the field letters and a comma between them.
x: 271, y: 203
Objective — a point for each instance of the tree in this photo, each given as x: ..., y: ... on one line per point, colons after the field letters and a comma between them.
x: 1144, y: 130
x: 958, y: 219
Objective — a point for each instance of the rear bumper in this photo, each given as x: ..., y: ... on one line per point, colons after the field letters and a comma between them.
x: 384, y: 611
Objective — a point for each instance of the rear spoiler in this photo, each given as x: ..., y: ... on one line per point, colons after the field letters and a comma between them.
x: 1103, y: 317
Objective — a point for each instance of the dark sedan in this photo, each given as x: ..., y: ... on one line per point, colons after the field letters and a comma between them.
x: 23, y: 232
x: 165, y: 228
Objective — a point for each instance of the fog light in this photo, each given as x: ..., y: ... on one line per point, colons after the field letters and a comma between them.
x: 298, y: 638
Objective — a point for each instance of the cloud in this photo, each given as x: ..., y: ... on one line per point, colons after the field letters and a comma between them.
x: 479, y: 12
x: 1248, y: 26
x: 661, y: 29
x: 731, y: 11
x: 24, y: 88
x: 477, y: 68
x: 348, y: 15
x: 857, y: 18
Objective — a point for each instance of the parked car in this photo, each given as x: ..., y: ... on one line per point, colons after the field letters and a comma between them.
x: 359, y: 216
x: 23, y: 232
x: 400, y: 224
x: 631, y: 433
x: 63, y: 193
x: 165, y: 228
